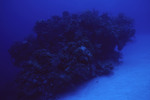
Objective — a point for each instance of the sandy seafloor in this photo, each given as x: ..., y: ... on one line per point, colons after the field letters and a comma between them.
x: 130, y: 81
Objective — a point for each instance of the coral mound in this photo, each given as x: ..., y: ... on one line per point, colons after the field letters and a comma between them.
x: 69, y: 50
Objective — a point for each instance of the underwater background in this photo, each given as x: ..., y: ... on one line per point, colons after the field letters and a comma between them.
x: 130, y: 81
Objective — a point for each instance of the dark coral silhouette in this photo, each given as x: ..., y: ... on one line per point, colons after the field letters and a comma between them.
x: 69, y: 50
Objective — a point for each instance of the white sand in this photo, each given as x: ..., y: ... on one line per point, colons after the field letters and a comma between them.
x: 131, y: 80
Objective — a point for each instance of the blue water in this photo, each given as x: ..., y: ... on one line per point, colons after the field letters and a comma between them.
x: 129, y: 82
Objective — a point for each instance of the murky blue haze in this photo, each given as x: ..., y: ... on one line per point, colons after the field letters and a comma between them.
x: 131, y: 81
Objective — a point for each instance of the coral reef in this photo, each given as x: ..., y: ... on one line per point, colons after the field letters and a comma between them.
x: 69, y: 50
